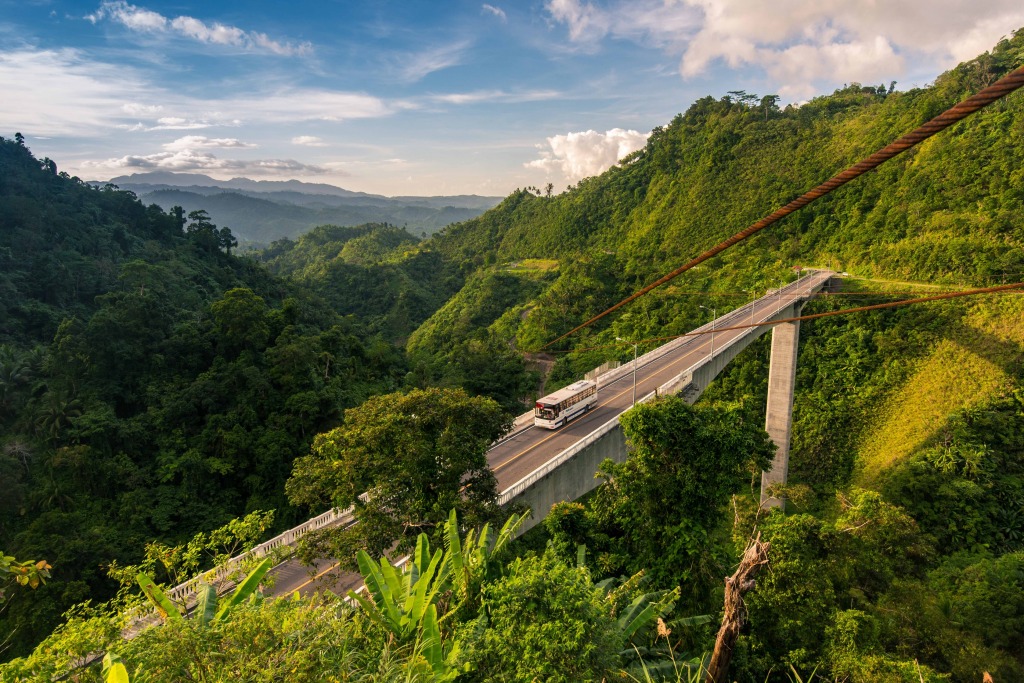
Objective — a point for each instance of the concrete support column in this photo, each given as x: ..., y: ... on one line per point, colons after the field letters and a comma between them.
x: 779, y: 420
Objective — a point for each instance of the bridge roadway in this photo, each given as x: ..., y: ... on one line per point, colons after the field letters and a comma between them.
x: 518, y: 456
x: 529, y: 447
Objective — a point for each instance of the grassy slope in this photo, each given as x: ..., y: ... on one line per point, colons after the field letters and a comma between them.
x: 976, y: 362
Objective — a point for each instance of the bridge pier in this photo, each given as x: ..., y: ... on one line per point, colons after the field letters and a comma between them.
x: 779, y: 417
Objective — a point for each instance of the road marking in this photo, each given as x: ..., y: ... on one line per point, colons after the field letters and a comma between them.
x: 332, y: 567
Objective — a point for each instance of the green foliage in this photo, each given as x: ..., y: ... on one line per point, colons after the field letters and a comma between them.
x: 150, y: 386
x: 404, y: 601
x: 417, y: 455
x: 114, y: 670
x: 544, y: 621
x: 475, y: 559
x: 821, y: 569
x: 963, y: 617
x: 660, y: 509
x: 244, y: 589
x: 24, y: 573
x: 967, y: 490
x: 373, y: 271
x: 463, y: 344
x: 167, y: 610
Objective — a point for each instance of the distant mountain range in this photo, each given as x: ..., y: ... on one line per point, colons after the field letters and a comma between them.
x: 265, y: 210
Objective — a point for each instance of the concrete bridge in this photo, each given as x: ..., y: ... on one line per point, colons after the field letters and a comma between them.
x: 566, y: 460
x: 539, y: 467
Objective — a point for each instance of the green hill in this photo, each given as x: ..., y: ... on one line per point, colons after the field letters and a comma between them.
x: 168, y: 389
x: 151, y: 385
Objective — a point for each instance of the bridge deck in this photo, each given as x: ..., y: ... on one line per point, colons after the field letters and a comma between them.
x: 530, y: 448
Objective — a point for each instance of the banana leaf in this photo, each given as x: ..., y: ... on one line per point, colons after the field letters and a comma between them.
x: 168, y: 610
x: 246, y: 588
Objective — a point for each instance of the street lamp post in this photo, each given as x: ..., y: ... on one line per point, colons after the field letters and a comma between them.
x: 634, y: 367
x: 714, y: 316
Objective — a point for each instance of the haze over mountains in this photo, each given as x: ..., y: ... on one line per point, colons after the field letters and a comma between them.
x: 262, y: 211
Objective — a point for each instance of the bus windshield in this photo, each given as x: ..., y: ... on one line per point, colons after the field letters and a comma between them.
x: 545, y: 412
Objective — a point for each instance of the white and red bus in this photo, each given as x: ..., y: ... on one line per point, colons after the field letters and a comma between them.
x: 554, y: 410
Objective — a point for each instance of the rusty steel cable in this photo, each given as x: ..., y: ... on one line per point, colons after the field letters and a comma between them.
x: 812, y: 316
x: 1004, y: 86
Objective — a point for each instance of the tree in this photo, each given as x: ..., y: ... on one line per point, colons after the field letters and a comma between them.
x: 202, y: 230
x: 769, y: 103
x: 416, y: 455
x: 546, y: 621
x: 226, y: 239
x: 241, y: 319
x: 658, y: 509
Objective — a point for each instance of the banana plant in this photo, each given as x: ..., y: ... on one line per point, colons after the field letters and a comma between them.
x: 402, y: 600
x: 209, y: 608
x: 472, y: 557
x: 644, y: 610
x: 114, y: 670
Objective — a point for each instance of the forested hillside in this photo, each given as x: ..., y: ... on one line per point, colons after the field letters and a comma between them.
x: 151, y: 385
x: 262, y: 218
x: 172, y: 386
x: 945, y: 212
x: 908, y: 422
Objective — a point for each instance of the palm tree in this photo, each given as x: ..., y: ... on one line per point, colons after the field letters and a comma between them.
x: 56, y: 413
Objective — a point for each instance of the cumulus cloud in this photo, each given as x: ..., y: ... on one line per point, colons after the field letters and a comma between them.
x: 580, y: 155
x: 140, y: 19
x: 308, y: 141
x: 496, y: 11
x: 798, y: 41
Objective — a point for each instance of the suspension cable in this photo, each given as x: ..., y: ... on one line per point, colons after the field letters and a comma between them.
x: 1001, y: 88
x: 811, y: 316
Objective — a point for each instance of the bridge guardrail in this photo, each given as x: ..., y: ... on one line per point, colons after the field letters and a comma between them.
x: 533, y: 477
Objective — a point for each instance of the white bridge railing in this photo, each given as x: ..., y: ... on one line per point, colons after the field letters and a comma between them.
x: 183, y: 592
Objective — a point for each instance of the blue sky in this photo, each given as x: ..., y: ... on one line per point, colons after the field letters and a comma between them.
x: 434, y: 97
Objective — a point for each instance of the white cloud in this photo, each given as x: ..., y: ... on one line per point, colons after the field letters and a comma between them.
x: 306, y: 104
x: 191, y: 142
x: 798, y: 42
x: 132, y: 17
x: 61, y: 92
x: 144, y: 20
x: 496, y: 11
x: 136, y: 109
x: 217, y: 33
x: 419, y: 65
x: 496, y: 96
x: 182, y: 160
x: 653, y: 22
x: 580, y: 155
x: 308, y: 141
x: 65, y: 92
